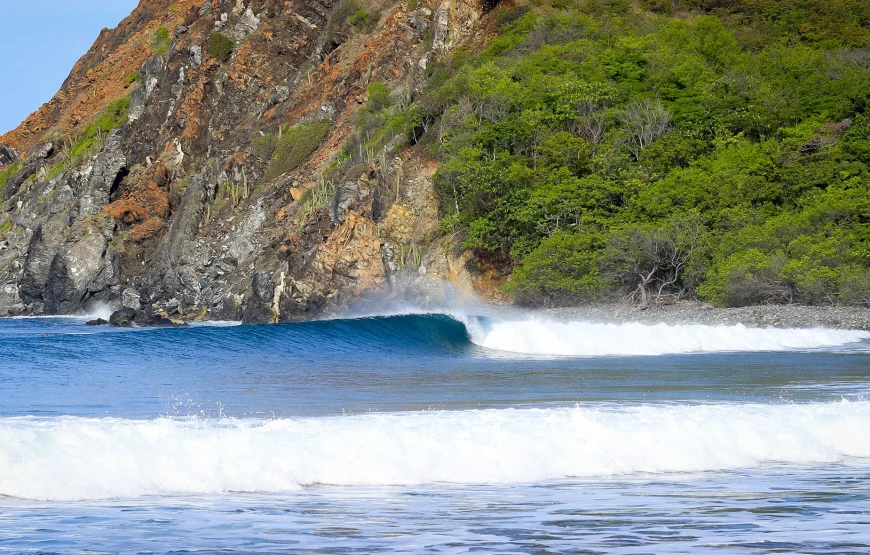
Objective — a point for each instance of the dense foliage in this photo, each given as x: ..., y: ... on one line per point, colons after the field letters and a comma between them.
x: 220, y: 47
x: 665, y: 149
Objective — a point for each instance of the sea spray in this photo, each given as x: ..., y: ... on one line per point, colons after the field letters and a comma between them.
x: 70, y: 458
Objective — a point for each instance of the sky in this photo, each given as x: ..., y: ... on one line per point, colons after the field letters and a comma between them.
x: 40, y: 41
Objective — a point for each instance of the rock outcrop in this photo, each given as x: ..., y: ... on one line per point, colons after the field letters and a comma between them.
x: 175, y: 215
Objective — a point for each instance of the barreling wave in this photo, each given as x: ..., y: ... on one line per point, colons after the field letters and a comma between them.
x: 427, y: 334
x: 78, y: 459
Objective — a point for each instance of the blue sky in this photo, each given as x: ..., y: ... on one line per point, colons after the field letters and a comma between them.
x: 40, y: 40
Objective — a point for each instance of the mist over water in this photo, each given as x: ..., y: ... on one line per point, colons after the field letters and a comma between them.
x: 489, y: 431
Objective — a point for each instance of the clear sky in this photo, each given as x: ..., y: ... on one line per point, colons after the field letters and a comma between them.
x: 40, y: 40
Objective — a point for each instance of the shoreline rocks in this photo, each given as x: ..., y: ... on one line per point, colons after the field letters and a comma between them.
x: 127, y: 317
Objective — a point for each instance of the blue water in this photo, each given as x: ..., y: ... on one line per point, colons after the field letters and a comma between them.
x: 412, y: 434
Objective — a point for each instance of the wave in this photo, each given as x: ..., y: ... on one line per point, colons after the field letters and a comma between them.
x: 428, y: 334
x: 71, y: 458
x: 548, y: 337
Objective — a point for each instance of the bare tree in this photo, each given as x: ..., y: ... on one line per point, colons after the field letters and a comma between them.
x: 654, y: 263
x: 645, y: 121
x: 592, y: 123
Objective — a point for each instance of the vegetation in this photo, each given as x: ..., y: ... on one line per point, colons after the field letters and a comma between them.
x: 691, y: 148
x: 160, y: 41
x: 294, y: 146
x: 316, y: 197
x: 264, y: 147
x: 7, y: 173
x: 91, y: 138
x: 351, y: 12
x: 220, y: 47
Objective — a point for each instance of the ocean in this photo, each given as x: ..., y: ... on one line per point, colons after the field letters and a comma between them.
x: 433, y: 433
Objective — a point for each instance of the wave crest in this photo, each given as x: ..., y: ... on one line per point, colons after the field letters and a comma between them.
x: 548, y: 337
x: 71, y: 458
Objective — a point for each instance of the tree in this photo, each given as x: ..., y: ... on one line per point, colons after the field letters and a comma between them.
x: 658, y: 261
x: 645, y: 121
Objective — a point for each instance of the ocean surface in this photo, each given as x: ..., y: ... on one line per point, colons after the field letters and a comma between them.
x: 433, y: 433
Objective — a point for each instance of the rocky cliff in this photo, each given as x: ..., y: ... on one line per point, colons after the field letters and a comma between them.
x: 187, y: 166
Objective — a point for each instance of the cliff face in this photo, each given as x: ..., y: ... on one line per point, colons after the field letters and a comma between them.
x: 172, y: 201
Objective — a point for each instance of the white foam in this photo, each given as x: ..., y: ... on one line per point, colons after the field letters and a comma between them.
x: 72, y: 458
x: 548, y: 337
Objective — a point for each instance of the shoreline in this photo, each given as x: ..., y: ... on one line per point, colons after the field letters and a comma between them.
x: 692, y: 313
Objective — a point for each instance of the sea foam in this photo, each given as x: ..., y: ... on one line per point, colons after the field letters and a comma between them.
x: 549, y: 337
x: 69, y: 458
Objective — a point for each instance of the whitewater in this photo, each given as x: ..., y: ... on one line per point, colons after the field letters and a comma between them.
x: 442, y: 432
x: 548, y: 337
x: 75, y: 459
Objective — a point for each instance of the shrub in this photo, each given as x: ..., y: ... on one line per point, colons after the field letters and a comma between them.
x: 510, y: 15
x: 359, y: 18
x: 295, y: 146
x: 379, y: 97
x: 563, y: 269
x: 6, y: 175
x: 316, y: 197
x: 220, y: 47
x: 160, y: 41
x: 264, y: 147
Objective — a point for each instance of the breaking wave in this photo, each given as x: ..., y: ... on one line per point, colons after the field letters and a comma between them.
x: 69, y: 458
x: 547, y: 337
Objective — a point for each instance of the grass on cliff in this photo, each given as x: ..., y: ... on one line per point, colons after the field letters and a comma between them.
x: 662, y: 149
x: 160, y: 41
x: 7, y: 173
x: 90, y: 140
x: 294, y: 146
x: 316, y: 197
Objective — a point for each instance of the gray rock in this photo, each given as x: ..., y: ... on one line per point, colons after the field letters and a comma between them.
x: 346, y: 194
x: 262, y: 286
x: 109, y: 167
x: 196, y: 55
x: 43, y: 151
x: 122, y: 318
x: 130, y: 298
x: 8, y: 154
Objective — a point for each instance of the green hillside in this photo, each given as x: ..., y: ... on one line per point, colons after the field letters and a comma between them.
x: 663, y: 149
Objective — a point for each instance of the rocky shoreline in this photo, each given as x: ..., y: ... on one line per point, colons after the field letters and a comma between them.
x: 778, y: 316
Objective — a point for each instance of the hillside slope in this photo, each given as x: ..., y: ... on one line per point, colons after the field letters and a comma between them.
x: 271, y: 161
x: 180, y: 168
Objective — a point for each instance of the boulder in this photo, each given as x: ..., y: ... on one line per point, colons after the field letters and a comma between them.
x: 97, y: 322
x: 122, y: 318
x: 155, y: 320
x: 7, y: 155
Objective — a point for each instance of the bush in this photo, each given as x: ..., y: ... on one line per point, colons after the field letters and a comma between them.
x: 379, y: 97
x: 220, y: 47
x: 295, y: 146
x: 508, y: 16
x: 6, y: 175
x: 264, y: 147
x: 563, y: 269
x: 748, y: 278
x: 160, y: 41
